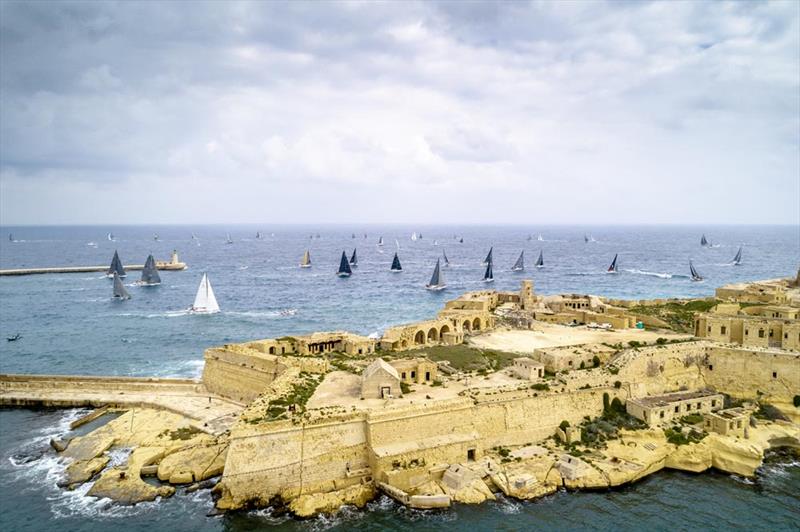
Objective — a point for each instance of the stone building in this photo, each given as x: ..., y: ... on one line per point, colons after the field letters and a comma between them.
x: 527, y: 368
x: 380, y: 381
x: 730, y: 422
x: 571, y: 357
x: 657, y: 409
x: 767, y: 326
x: 316, y: 344
x: 416, y: 370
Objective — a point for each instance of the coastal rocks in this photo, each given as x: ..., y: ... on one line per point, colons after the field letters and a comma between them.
x: 307, y: 505
x: 83, y: 470
x: 125, y: 485
x: 695, y: 458
x: 193, y: 464
x: 475, y: 492
x: 88, y: 447
x: 740, y: 457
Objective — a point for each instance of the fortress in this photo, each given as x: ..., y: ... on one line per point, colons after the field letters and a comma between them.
x: 506, y: 392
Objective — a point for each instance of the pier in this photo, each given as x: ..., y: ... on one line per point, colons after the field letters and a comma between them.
x: 172, y: 265
x: 208, y: 412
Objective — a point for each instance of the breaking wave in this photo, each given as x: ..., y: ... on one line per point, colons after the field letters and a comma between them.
x: 650, y: 274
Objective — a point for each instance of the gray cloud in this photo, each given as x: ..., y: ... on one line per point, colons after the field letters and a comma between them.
x: 544, y: 99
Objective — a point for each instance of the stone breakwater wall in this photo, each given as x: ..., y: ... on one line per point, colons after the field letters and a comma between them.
x: 286, y: 460
x: 43, y: 384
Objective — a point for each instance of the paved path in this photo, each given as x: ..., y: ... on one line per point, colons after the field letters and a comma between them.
x: 189, y: 398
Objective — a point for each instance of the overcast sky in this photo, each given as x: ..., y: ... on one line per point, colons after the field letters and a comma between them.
x: 453, y: 112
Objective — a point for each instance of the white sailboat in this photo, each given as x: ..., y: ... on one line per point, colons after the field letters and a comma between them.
x: 413, y: 236
x: 306, y: 262
x: 204, y: 301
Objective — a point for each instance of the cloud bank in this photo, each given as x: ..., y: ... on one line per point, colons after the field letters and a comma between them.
x: 463, y: 112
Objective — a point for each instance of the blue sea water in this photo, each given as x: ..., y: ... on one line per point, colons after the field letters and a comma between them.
x: 70, y: 325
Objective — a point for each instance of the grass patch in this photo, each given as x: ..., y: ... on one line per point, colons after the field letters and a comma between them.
x: 183, y: 433
x: 692, y: 419
x: 465, y: 358
x: 677, y: 437
x: 679, y: 316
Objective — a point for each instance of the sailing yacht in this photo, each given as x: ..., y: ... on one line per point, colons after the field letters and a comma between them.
x: 306, y: 260
x: 585, y: 238
x: 704, y: 241
x: 446, y: 262
x: 488, y: 258
x: 111, y: 238
x: 461, y: 240
x: 413, y: 236
x: 437, y: 279
x: 344, y: 267
x: 228, y: 239
x: 354, y: 259
x: 116, y: 267
x: 520, y: 264
x: 259, y: 236
x: 119, y: 289
x: 737, y: 260
x: 380, y: 242
x: 488, y: 276
x: 204, y: 301
x: 10, y: 237
x: 539, y: 237
x: 540, y: 260
x: 150, y: 275
x: 435, y: 242
x: 396, y: 264
x: 613, y: 266
x: 354, y: 236
x: 155, y: 237
x: 695, y: 276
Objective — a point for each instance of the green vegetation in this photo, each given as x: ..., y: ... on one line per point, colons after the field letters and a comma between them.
x: 594, y: 432
x: 636, y: 344
x: 676, y: 436
x: 436, y: 382
x: 295, y: 399
x: 769, y: 412
x: 679, y: 316
x: 596, y: 361
x: 183, y: 433
x: 692, y: 419
x: 540, y: 386
x: 405, y: 388
x: 466, y: 358
x: 617, y: 384
x: 564, y: 425
x: 796, y: 401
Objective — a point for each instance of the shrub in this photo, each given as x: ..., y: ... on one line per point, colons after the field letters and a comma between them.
x: 661, y: 341
x: 436, y: 382
x: 796, y: 401
x: 692, y: 419
x: 405, y: 388
x: 596, y: 361
x: 606, y: 404
x: 542, y: 387
x: 617, y: 384
x: 635, y: 344
x: 564, y: 425
x: 613, y: 370
x: 769, y: 412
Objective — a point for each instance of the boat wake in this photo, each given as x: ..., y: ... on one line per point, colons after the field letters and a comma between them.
x: 650, y: 274
x: 263, y: 314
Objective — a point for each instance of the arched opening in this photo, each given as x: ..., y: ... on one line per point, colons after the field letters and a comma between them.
x: 433, y: 335
x: 419, y: 338
x: 476, y: 324
x: 467, y: 326
x: 272, y: 350
x: 403, y: 344
x: 444, y: 330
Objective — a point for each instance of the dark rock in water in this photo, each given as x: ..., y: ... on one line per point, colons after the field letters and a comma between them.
x: 59, y: 445
x: 27, y: 457
x: 204, y: 485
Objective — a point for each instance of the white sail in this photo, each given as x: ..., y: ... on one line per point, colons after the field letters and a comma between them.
x: 204, y: 301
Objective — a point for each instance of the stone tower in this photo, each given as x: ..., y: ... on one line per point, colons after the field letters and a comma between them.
x: 526, y: 297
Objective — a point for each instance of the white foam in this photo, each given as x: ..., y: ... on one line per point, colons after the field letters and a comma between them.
x: 651, y: 274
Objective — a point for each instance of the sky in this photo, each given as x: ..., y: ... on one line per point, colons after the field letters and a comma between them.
x: 399, y: 112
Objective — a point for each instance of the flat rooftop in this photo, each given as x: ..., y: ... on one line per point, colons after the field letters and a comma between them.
x: 666, y: 399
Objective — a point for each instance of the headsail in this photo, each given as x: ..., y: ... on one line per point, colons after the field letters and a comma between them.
x: 205, y: 302
x: 488, y: 276
x: 488, y: 258
x: 10, y: 237
x: 520, y: 264
x: 703, y: 241
x: 396, y: 263
x: 737, y: 260
x: 540, y: 260
x: 446, y: 262
x: 110, y: 237
x: 613, y: 267
x: 695, y: 276
x: 437, y: 279
x: 306, y: 261
x: 344, y: 267
x: 539, y: 237
x: 116, y: 266
x: 119, y: 288
x: 354, y: 259
x: 461, y: 240
x: 150, y: 273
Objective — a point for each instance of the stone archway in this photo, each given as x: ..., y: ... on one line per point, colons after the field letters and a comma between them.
x: 467, y: 326
x: 419, y: 338
x: 476, y: 324
x: 433, y: 335
x: 403, y: 344
x: 444, y: 330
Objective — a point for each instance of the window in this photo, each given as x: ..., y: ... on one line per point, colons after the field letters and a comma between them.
x: 710, y: 367
x: 413, y: 374
x: 761, y: 333
x: 770, y: 333
x: 471, y: 455
x: 661, y: 414
x: 713, y: 403
x: 698, y: 406
x: 746, y: 332
x: 570, y: 362
x: 677, y: 409
x: 774, y: 374
x: 785, y: 336
x: 709, y: 328
x: 403, y: 375
x: 427, y: 375
x: 722, y: 329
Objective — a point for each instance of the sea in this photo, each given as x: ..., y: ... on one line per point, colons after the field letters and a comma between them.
x: 69, y: 324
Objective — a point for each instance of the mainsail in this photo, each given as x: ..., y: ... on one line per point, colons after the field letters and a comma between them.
x: 446, y: 262
x: 413, y: 236
x: 520, y: 264
x: 155, y: 237
x: 116, y: 266
x: 613, y: 267
x: 703, y: 241
x: 150, y: 275
x: 396, y: 263
x: 110, y: 237
x: 380, y: 241
x: 10, y: 237
x: 306, y: 262
x: 695, y: 276
x: 488, y: 277
x: 354, y: 259
x: 437, y: 279
x: 119, y: 288
x: 228, y: 239
x: 540, y: 260
x: 204, y: 301
x: 737, y: 260
x: 461, y: 240
x: 344, y: 267
x: 488, y: 259
x: 585, y: 238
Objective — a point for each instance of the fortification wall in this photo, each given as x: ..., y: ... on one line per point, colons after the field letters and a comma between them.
x: 657, y: 369
x: 238, y: 374
x: 743, y: 372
